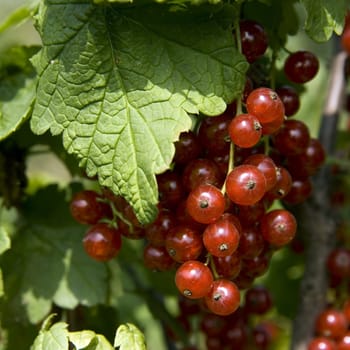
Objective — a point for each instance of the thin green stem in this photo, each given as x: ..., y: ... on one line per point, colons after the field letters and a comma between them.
x: 230, y: 165
x: 213, y: 267
x: 117, y: 215
x: 238, y: 34
x: 273, y: 71
x: 239, y: 106
x: 266, y: 140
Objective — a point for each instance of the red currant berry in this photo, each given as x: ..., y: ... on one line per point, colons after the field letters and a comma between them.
x: 331, y: 323
x: 261, y: 337
x: 338, y: 262
x: 301, y: 66
x: 234, y: 219
x: 242, y: 153
x: 183, y: 217
x: 245, y: 185
x: 187, y: 148
x: 213, y: 134
x: 283, y: 184
x: 87, y: 207
x: 183, y: 243
x: 243, y: 280
x: 157, y: 258
x: 290, y: 99
x: 205, y: 203
x: 212, y: 325
x: 236, y: 335
x: 273, y: 127
x: 345, y: 40
x: 222, y: 162
x: 102, y: 242
x: 221, y: 238
x: 201, y: 171
x: 193, y: 279
x: 293, y: 138
x: 130, y: 216
x: 307, y: 163
x: 251, y: 214
x: 156, y: 231
x: 256, y: 266
x: 223, y: 298
x: 278, y: 227
x: 299, y: 192
x: 257, y: 300
x: 265, y: 105
x: 251, y: 243
x: 267, y: 166
x: 321, y: 343
x: 170, y: 189
x: 228, y: 266
x: 245, y: 130
x: 344, y: 342
x: 253, y: 40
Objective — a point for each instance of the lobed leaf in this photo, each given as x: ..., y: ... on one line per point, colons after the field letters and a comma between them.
x: 128, y: 336
x: 324, y: 17
x: 119, y: 84
x: 47, y: 263
x: 54, y: 338
x: 89, y: 340
x: 17, y: 89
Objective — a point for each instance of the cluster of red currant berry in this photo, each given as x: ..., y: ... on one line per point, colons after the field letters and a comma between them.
x: 215, y: 225
x: 102, y: 241
x: 332, y: 329
x: 247, y: 327
x: 109, y: 218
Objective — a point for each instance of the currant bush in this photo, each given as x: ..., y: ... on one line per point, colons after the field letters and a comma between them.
x: 188, y: 118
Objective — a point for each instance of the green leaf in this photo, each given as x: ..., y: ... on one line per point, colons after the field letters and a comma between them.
x: 17, y: 89
x: 47, y: 263
x: 54, y: 338
x: 5, y: 242
x: 324, y: 17
x: 283, y: 280
x: 17, y: 95
x: 89, y: 340
x: 119, y: 84
x: 1, y: 284
x: 128, y: 336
